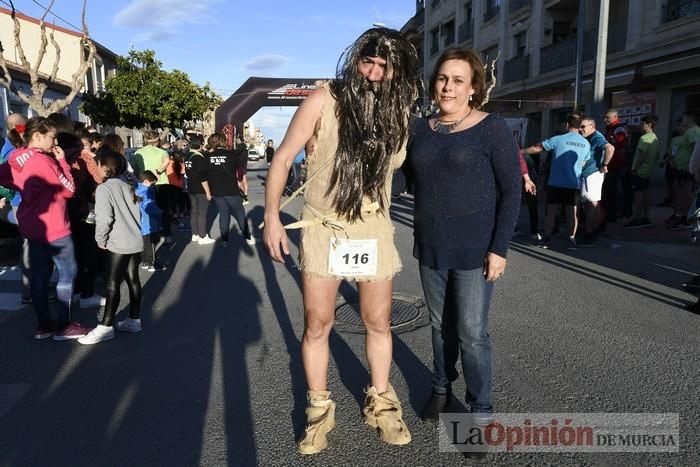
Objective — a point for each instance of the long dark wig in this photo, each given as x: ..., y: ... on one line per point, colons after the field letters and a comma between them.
x: 372, y: 118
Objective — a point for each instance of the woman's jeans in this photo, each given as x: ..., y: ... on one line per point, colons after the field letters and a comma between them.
x: 226, y: 206
x: 198, y: 216
x: 41, y: 255
x: 122, y: 268
x: 458, y: 302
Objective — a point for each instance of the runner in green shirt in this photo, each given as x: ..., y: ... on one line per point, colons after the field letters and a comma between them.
x: 642, y: 165
x: 683, y: 180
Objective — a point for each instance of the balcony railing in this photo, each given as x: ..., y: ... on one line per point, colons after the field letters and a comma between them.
x: 491, y: 12
x: 515, y: 5
x: 677, y: 9
x: 516, y: 69
x: 563, y: 54
x: 466, y: 31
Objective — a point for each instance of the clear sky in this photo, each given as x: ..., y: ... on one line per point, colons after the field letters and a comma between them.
x: 225, y: 42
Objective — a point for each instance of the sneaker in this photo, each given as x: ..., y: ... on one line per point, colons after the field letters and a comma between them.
x: 156, y: 267
x: 97, y: 335
x: 196, y: 238
x: 90, y: 219
x: 45, y: 330
x: 129, y: 325
x: 638, y: 223
x: 544, y: 242
x: 250, y: 240
x: 535, y: 237
x: 572, y: 246
x: 145, y: 266
x: 206, y: 240
x: 71, y: 330
x: 93, y: 301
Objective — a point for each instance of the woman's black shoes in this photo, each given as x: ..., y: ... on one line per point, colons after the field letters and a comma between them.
x: 436, y: 405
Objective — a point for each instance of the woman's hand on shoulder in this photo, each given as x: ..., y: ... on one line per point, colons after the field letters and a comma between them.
x: 494, y: 266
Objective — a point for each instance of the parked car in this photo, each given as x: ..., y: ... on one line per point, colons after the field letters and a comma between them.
x: 253, y: 154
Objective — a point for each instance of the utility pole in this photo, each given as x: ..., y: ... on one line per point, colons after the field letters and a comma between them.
x: 600, y: 62
x: 580, y: 36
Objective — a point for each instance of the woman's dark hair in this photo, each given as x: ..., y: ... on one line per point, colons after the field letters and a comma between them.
x: 41, y: 125
x: 113, y: 142
x: 114, y: 165
x: 147, y: 175
x: 65, y: 136
x: 196, y: 142
x: 372, y: 118
x: 650, y: 120
x: 15, y: 138
x: 217, y: 141
x: 82, y: 133
x: 478, y: 75
x: 62, y: 123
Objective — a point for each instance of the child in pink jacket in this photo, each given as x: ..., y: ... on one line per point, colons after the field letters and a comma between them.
x: 42, y: 175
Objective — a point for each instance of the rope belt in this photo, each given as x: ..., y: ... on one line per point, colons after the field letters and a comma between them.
x: 330, y: 221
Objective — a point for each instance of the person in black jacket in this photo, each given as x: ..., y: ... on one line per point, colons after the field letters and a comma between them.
x: 226, y: 177
x: 197, y: 173
x: 269, y: 151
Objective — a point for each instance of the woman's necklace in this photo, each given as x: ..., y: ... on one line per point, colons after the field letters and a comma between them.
x: 445, y: 128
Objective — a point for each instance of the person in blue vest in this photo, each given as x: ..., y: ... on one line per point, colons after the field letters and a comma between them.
x: 570, y: 152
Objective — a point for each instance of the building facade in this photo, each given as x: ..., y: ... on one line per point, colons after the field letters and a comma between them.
x: 653, y: 55
x: 103, y: 66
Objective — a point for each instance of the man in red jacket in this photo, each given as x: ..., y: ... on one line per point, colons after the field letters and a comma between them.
x: 617, y: 135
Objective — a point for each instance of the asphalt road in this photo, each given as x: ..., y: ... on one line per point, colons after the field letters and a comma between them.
x: 215, y: 378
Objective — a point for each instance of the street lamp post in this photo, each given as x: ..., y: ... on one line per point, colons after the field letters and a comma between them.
x: 600, y: 61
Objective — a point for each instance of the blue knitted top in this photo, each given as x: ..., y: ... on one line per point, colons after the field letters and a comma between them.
x: 467, y: 192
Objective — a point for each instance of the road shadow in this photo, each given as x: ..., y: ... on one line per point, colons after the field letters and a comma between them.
x: 164, y: 396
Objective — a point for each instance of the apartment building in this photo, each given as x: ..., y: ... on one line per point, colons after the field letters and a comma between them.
x: 653, y: 55
x: 103, y: 66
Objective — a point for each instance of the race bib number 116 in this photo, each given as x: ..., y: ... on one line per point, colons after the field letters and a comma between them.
x: 352, y: 257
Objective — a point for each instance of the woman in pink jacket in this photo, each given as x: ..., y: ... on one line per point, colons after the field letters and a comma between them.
x: 42, y: 175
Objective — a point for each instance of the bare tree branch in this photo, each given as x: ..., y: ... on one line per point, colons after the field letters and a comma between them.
x: 35, y: 100
x: 54, y: 71
x: 42, y: 46
x: 78, y: 79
